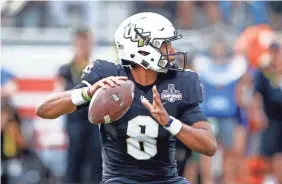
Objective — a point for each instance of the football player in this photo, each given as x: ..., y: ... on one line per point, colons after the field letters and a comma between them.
x: 140, y: 146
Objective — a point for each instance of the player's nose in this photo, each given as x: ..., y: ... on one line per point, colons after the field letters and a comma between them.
x: 172, y: 50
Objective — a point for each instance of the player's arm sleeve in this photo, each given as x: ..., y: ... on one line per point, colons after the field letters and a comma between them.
x: 192, y: 112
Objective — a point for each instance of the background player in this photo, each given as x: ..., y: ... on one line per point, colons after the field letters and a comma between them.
x: 145, y: 41
x: 84, y: 145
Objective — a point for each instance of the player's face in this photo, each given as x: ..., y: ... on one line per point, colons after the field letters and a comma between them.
x: 166, y: 48
x: 83, y: 46
x: 277, y: 61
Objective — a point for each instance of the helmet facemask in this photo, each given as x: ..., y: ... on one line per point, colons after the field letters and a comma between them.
x: 163, y: 61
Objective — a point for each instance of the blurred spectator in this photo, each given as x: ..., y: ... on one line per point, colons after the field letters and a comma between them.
x: 12, y: 140
x: 84, y: 150
x: 51, y: 13
x: 276, y: 14
x: 34, y: 13
x: 219, y: 72
x: 182, y: 157
x: 248, y: 113
x: 195, y: 169
x: 187, y: 161
x: 165, y: 8
x: 254, y: 42
x: 8, y: 85
x: 242, y: 14
x: 75, y: 13
x: 187, y: 12
x: 191, y: 165
x: 252, y: 167
x: 258, y: 11
x: 275, y: 51
x: 268, y: 84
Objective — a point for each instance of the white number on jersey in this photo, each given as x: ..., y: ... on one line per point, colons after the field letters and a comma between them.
x: 87, y: 70
x: 147, y: 138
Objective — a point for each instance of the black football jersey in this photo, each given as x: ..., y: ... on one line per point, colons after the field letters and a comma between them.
x: 137, y: 146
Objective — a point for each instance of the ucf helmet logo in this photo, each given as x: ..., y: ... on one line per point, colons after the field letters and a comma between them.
x: 129, y: 33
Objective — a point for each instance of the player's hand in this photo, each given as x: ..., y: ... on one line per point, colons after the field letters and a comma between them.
x: 157, y: 109
x: 104, y: 83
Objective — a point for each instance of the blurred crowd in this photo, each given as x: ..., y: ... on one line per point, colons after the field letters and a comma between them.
x: 242, y: 85
x: 243, y: 95
x: 184, y: 14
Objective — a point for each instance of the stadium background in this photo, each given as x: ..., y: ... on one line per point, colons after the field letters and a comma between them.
x: 36, y: 38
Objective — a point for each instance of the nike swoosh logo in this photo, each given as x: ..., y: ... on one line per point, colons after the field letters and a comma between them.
x: 165, y: 103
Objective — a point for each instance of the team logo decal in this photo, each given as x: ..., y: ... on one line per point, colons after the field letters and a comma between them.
x: 171, y: 94
x: 116, y: 98
x: 129, y: 33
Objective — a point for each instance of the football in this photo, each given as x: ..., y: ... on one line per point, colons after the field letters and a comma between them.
x: 112, y: 103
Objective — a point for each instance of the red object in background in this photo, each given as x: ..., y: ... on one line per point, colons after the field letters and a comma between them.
x: 257, y: 169
x: 255, y: 42
x: 33, y: 86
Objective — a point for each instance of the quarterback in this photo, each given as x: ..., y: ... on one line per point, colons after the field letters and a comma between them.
x: 140, y: 146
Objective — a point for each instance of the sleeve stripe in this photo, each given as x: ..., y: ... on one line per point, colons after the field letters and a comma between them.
x: 87, y: 83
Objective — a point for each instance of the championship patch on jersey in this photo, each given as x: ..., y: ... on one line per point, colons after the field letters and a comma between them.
x: 171, y: 94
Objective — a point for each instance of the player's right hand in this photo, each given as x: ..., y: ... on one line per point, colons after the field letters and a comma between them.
x: 103, y: 83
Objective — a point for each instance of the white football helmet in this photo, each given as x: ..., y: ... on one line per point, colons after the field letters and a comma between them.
x: 139, y: 38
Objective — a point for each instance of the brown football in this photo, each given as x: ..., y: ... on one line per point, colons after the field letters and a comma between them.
x: 112, y: 103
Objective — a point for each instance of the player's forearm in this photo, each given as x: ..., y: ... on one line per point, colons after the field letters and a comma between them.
x: 55, y: 105
x: 198, y: 139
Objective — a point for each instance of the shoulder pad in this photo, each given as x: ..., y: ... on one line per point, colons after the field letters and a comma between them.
x: 194, y: 87
x: 105, y: 68
x: 99, y: 69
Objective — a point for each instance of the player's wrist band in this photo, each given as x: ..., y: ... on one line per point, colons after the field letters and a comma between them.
x: 174, y: 125
x: 85, y: 94
x: 80, y: 96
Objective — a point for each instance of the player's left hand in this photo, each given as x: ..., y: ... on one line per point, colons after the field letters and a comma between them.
x: 157, y: 109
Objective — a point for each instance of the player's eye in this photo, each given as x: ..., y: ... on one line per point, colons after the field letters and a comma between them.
x: 167, y: 43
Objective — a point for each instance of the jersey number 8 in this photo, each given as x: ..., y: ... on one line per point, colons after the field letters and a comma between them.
x: 142, y: 132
